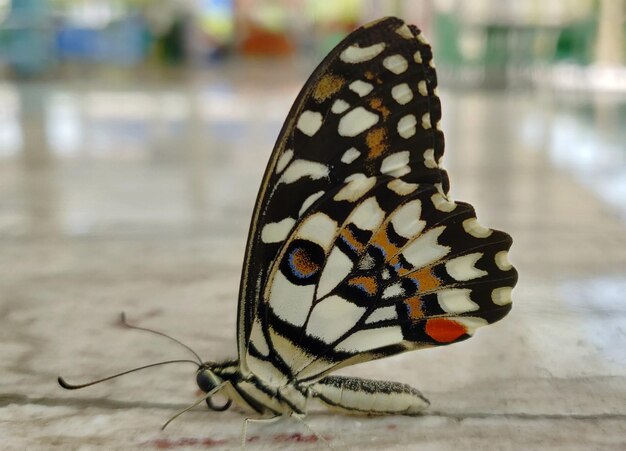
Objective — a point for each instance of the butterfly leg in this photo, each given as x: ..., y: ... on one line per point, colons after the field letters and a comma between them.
x: 244, y: 429
x: 368, y: 397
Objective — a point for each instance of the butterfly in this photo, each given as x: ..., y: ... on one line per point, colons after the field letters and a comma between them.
x: 355, y: 250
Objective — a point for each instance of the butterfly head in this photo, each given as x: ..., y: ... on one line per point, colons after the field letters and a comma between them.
x: 208, y: 378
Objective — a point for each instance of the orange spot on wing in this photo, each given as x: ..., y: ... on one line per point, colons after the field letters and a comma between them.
x: 368, y: 284
x: 376, y: 141
x: 395, y: 262
x: 327, y: 86
x: 370, y: 76
x: 303, y: 263
x: 415, y: 307
x: 426, y: 280
x: 377, y: 105
x: 352, y: 241
x: 381, y: 239
x: 444, y: 330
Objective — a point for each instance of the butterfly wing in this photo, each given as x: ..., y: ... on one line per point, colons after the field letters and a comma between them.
x: 354, y: 250
x: 309, y: 159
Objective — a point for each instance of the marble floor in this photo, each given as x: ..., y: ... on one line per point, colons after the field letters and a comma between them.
x: 134, y: 194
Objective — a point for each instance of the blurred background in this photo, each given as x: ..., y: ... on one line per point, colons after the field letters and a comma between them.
x: 177, y: 81
x: 133, y: 138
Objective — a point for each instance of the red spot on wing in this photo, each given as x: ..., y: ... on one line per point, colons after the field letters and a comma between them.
x: 444, y: 330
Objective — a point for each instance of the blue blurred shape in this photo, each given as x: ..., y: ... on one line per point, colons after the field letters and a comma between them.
x: 26, y: 37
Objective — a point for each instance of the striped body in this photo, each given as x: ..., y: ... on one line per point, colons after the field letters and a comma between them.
x: 344, y: 394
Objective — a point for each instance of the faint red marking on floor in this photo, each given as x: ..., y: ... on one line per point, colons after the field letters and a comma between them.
x: 254, y: 438
x: 391, y: 427
x: 295, y: 437
x: 165, y: 443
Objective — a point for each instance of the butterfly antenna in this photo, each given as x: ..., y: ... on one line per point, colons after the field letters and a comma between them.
x: 156, y: 332
x: 199, y: 401
x: 63, y: 383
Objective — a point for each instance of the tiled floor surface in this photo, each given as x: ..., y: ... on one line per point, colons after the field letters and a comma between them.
x: 135, y: 194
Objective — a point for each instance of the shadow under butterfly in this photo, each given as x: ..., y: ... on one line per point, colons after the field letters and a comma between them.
x: 355, y: 251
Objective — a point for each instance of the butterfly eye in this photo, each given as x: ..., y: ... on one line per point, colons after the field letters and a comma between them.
x: 207, y: 380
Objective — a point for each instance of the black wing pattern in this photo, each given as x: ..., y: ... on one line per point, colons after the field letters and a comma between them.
x: 355, y: 251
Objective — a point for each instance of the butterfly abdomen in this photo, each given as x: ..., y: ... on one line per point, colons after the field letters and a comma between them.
x: 368, y: 397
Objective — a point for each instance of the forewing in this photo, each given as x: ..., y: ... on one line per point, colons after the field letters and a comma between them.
x: 369, y: 108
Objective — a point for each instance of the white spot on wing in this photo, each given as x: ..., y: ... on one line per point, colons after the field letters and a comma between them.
x: 258, y: 340
x: 350, y: 155
x: 393, y: 290
x: 382, y: 314
x: 426, y: 121
x: 471, y: 323
x: 332, y: 317
x: 402, y: 93
x: 339, y: 106
x: 356, y: 54
x: 309, y: 201
x: 366, y: 262
x: 275, y: 232
x: 406, y: 219
x: 404, y: 31
x: 304, y: 168
x: 282, y: 296
x: 463, y: 268
x: 426, y: 249
x: 309, y: 122
x: 502, y: 261
x: 337, y: 266
x: 395, y: 63
x: 356, y: 186
x: 396, y: 164
x: 368, y: 215
x: 367, y: 340
x: 406, y: 126
x: 356, y: 121
x: 284, y: 160
x: 472, y: 227
x: 441, y: 203
x: 502, y: 295
x: 319, y: 228
x: 429, y: 158
x: 401, y: 187
x: 361, y: 88
x: 421, y: 88
x: 417, y: 57
x: 456, y: 300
